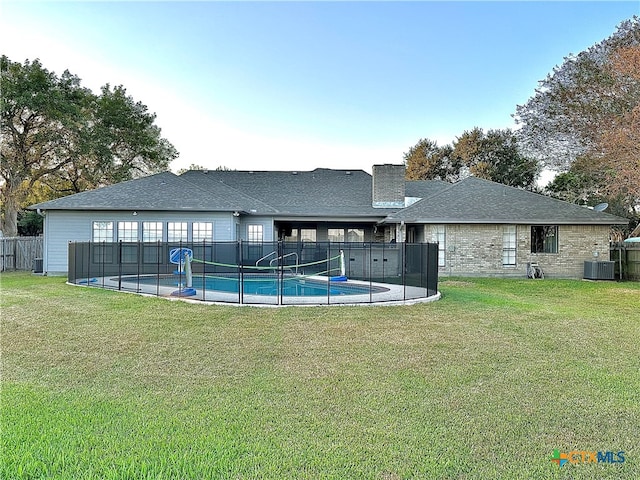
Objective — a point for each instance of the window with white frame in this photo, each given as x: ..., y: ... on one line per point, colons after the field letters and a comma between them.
x: 355, y: 235
x: 127, y: 231
x: 254, y: 233
x: 308, y: 234
x: 177, y: 232
x: 202, y: 231
x: 102, y: 232
x: 293, y: 237
x: 438, y: 236
x: 335, y: 234
x: 509, y: 243
x: 151, y: 231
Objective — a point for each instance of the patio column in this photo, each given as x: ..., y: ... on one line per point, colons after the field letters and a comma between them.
x: 401, y: 231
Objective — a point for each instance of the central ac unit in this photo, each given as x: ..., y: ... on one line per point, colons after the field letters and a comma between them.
x: 599, y: 270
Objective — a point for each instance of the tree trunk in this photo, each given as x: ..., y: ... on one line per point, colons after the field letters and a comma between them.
x: 9, y: 225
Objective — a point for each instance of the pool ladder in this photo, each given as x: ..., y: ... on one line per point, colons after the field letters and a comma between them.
x: 281, y: 257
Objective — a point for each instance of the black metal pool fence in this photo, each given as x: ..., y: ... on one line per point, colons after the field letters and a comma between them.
x: 273, y: 273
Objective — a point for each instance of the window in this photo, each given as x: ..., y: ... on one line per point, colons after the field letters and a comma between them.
x: 177, y: 232
x: 127, y: 231
x: 544, y: 239
x: 509, y: 246
x: 151, y: 231
x: 254, y: 233
x: 308, y: 234
x: 293, y: 237
x: 355, y: 235
x: 336, y: 234
x: 103, y: 231
x: 202, y: 231
x: 438, y: 235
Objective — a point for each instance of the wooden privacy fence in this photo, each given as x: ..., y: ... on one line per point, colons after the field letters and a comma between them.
x: 19, y: 253
x: 627, y: 260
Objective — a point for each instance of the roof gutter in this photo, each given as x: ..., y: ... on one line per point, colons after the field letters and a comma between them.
x: 501, y: 222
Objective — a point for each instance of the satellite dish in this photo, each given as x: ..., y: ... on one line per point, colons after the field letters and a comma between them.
x: 601, y: 207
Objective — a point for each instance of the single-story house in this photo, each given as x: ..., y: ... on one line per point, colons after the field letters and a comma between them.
x: 482, y: 227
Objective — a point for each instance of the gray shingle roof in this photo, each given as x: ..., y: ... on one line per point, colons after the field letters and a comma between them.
x: 161, y: 192
x: 474, y: 200
x: 320, y: 192
x: 424, y: 188
x: 330, y: 193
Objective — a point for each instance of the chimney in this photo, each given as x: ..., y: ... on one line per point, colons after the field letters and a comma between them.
x: 388, y: 186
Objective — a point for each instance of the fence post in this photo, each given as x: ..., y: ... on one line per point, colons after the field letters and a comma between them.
x: 158, y: 254
x: 89, y: 257
x: 240, y: 274
x: 204, y: 267
x: 370, y: 272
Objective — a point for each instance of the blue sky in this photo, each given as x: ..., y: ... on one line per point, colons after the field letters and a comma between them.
x: 300, y: 85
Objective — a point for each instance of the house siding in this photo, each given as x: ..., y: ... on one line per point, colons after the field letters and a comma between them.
x: 63, y: 226
x: 476, y: 250
x: 268, y: 233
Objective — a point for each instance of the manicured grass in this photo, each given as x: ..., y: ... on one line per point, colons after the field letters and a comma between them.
x: 485, y: 383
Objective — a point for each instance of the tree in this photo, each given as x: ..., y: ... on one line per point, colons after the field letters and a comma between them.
x: 30, y: 224
x: 427, y: 161
x: 38, y: 111
x: 619, y: 153
x: 193, y: 166
x: 57, y: 134
x: 589, y: 107
x: 582, y: 184
x: 495, y: 156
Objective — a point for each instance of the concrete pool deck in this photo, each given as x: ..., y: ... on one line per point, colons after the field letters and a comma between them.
x: 383, y: 294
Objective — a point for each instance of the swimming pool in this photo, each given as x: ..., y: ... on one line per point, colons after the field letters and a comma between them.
x: 263, y: 290
x: 268, y: 285
x: 270, y: 274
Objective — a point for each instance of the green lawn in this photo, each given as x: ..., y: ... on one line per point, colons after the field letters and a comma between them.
x: 485, y: 383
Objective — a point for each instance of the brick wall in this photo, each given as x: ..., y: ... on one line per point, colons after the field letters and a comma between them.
x: 477, y: 250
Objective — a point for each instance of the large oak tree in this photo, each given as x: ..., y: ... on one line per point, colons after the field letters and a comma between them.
x: 496, y: 156
x: 60, y: 138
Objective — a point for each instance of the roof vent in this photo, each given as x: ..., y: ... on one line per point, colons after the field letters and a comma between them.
x: 347, y: 173
x: 294, y: 173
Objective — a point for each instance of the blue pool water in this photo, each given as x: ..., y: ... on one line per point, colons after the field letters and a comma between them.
x: 263, y: 285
